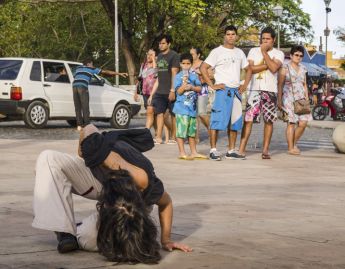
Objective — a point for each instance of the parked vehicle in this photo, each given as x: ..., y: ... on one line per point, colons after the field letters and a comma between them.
x: 334, y: 104
x: 38, y: 90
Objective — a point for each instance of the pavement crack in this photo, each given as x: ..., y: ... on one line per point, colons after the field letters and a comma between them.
x: 301, y: 239
x: 26, y: 252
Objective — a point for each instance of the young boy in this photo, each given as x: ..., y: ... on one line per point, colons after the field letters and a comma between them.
x: 187, y: 85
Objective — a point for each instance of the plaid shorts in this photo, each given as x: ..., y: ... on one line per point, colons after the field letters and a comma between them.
x: 185, y: 126
x: 261, y: 102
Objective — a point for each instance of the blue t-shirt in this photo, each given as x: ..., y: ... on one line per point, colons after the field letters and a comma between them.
x: 186, y: 103
x: 83, y: 75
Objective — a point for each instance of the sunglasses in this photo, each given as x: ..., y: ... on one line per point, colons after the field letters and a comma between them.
x: 298, y: 55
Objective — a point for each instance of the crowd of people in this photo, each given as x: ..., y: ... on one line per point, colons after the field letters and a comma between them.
x: 210, y: 93
x: 177, y: 91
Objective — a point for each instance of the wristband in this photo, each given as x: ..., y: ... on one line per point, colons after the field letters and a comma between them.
x: 172, y: 90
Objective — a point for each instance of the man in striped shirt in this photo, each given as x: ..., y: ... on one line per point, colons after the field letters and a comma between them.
x: 82, y: 78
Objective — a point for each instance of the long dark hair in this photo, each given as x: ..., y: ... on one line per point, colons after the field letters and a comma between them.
x: 126, y: 232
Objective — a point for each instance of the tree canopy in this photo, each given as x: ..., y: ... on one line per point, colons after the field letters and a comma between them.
x: 75, y: 29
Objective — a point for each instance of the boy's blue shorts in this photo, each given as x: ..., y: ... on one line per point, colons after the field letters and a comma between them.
x: 226, y: 112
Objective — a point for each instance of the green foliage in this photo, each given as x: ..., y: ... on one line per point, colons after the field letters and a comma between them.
x: 74, y: 30
x: 70, y: 31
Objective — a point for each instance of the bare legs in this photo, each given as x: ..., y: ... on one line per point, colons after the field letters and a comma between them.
x: 268, y: 130
x: 293, y: 135
x: 232, y: 136
x: 213, y: 138
x: 205, y: 119
x: 149, y: 117
x: 246, y: 131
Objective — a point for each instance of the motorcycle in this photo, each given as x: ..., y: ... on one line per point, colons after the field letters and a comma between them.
x: 334, y: 104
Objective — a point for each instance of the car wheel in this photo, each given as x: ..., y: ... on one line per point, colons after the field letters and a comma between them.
x: 121, y: 117
x: 36, y: 115
x: 72, y: 123
x: 319, y: 112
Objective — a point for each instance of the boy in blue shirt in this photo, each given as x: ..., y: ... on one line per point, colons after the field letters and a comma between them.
x: 187, y: 85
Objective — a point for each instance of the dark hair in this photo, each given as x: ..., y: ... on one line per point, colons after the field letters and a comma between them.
x: 198, y: 50
x: 186, y: 56
x: 87, y: 61
x: 167, y: 37
x: 268, y: 30
x: 126, y: 232
x: 296, y: 48
x: 230, y: 28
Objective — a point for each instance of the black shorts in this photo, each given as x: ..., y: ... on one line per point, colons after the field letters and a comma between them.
x: 161, y: 103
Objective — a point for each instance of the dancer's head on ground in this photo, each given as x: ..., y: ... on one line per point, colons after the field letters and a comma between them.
x: 126, y: 232
x: 268, y: 37
x: 296, y: 54
x: 186, y: 61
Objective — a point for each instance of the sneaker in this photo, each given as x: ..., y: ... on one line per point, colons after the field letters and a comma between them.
x: 215, y: 156
x: 233, y: 155
x: 67, y: 242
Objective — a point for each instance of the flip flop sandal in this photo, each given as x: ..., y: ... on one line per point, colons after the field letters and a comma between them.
x: 294, y: 152
x: 265, y: 156
x: 200, y: 157
x: 156, y: 142
x: 186, y: 158
x: 171, y: 142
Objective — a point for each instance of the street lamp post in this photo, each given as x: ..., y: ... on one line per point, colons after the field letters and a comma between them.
x: 327, y: 30
x: 278, y: 11
x: 326, y: 33
x: 116, y: 33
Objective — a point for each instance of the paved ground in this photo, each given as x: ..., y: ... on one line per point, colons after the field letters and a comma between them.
x: 287, y: 212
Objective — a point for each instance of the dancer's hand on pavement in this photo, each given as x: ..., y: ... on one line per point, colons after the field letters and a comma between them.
x: 170, y: 246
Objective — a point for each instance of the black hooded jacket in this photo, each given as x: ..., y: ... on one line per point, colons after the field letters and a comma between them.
x: 129, y: 144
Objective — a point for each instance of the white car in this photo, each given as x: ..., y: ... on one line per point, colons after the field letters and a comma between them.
x: 38, y: 90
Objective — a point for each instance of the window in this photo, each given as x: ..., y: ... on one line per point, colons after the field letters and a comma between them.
x: 9, y: 69
x: 55, y: 72
x: 36, y: 73
x: 73, y: 68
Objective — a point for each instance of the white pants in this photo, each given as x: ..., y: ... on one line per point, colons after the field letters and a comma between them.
x: 58, y: 175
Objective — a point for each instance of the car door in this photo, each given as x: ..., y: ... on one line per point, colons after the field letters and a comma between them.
x: 98, y: 98
x: 58, y: 88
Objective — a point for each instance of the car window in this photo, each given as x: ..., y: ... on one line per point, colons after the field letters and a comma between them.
x: 9, y: 69
x: 55, y: 72
x: 100, y: 81
x: 36, y: 73
x: 73, y: 68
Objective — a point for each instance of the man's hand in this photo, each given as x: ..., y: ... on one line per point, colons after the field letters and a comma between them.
x: 242, y: 89
x: 172, y: 96
x: 124, y: 75
x: 279, y: 104
x: 170, y: 246
x: 218, y: 87
x: 264, y: 47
